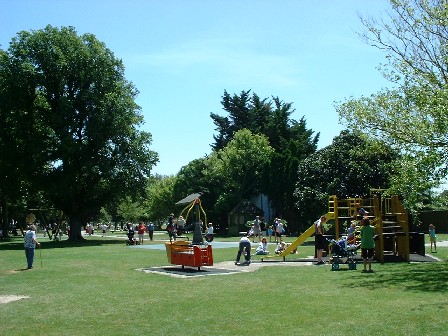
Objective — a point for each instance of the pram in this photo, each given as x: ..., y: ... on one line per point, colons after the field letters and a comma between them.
x: 340, y: 250
x: 131, y: 240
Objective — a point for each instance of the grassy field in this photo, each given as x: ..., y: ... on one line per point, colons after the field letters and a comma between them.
x: 96, y: 289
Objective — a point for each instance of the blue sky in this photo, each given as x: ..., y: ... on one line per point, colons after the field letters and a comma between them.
x: 182, y: 54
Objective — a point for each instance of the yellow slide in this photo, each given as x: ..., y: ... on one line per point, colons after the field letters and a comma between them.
x: 302, y: 238
x: 299, y: 241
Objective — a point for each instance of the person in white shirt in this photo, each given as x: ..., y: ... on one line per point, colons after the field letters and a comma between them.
x: 279, y: 230
x: 209, y: 235
x: 262, y: 248
x: 257, y: 229
x: 30, y: 245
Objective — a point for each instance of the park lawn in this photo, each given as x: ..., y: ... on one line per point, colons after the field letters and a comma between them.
x: 96, y: 289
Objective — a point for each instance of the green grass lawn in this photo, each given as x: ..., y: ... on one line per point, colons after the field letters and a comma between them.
x: 96, y: 289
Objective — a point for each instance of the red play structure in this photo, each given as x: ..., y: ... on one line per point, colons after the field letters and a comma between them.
x: 185, y: 254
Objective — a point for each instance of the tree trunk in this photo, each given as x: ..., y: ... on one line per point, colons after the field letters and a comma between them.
x: 4, y: 220
x: 75, y: 229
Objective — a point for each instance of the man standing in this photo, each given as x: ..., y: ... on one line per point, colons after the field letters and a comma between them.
x: 319, y: 239
x: 30, y: 245
x: 150, y: 229
x: 257, y: 229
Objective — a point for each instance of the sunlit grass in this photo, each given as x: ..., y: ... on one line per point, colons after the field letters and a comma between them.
x: 96, y: 289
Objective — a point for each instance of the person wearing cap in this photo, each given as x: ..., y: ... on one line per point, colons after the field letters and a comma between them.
x: 319, y: 239
x: 30, y: 245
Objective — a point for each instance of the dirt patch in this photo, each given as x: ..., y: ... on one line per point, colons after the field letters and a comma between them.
x: 10, y: 298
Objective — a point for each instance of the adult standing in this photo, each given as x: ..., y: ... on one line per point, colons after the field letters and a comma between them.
x: 210, y: 233
x: 244, y: 246
x: 367, y: 243
x: 150, y: 229
x: 279, y: 230
x: 30, y: 245
x: 103, y: 229
x: 141, y: 232
x: 180, y: 225
x: 171, y: 230
x: 319, y: 239
x: 257, y: 228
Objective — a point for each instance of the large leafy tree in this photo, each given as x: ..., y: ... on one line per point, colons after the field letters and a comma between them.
x: 81, y: 119
x: 412, y: 115
x: 199, y: 176
x: 228, y: 175
x: 291, y: 140
x: 161, y: 199
x: 242, y: 162
x: 349, y: 167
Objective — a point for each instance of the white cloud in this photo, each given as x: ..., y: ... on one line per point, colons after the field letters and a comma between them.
x: 226, y: 60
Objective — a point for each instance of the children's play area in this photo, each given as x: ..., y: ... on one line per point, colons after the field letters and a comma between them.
x: 393, y: 240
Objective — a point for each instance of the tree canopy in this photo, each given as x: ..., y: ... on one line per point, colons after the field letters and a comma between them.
x: 290, y: 139
x: 411, y: 115
x: 76, y: 120
x: 349, y: 167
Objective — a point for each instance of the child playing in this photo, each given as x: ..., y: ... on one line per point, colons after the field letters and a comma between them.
x: 351, y: 233
x: 432, y: 237
x: 270, y: 232
x: 280, y: 248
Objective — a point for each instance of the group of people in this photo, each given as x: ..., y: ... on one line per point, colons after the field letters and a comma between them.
x: 262, y: 249
x: 175, y: 227
x: 141, y: 229
x: 277, y: 229
x: 367, y: 234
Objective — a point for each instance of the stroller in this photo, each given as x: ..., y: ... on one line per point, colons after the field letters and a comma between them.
x: 131, y: 240
x: 341, y: 249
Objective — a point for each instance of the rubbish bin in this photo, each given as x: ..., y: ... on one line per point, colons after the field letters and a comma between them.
x: 417, y: 243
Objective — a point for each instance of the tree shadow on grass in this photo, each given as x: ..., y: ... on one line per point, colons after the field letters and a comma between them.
x: 15, y: 244
x: 425, y: 277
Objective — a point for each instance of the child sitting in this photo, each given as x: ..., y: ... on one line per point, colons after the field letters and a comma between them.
x: 280, y: 248
x: 262, y: 248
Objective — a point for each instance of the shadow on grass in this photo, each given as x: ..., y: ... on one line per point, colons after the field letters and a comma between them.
x: 14, y: 244
x: 427, y: 277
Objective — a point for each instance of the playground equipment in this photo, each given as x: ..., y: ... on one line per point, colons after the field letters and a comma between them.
x: 185, y: 254
x: 194, y: 202
x: 387, y: 214
x: 195, y: 254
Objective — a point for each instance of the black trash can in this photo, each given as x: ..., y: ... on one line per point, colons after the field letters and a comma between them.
x: 417, y: 243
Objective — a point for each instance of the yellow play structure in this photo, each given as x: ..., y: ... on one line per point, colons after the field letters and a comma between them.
x: 387, y: 214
